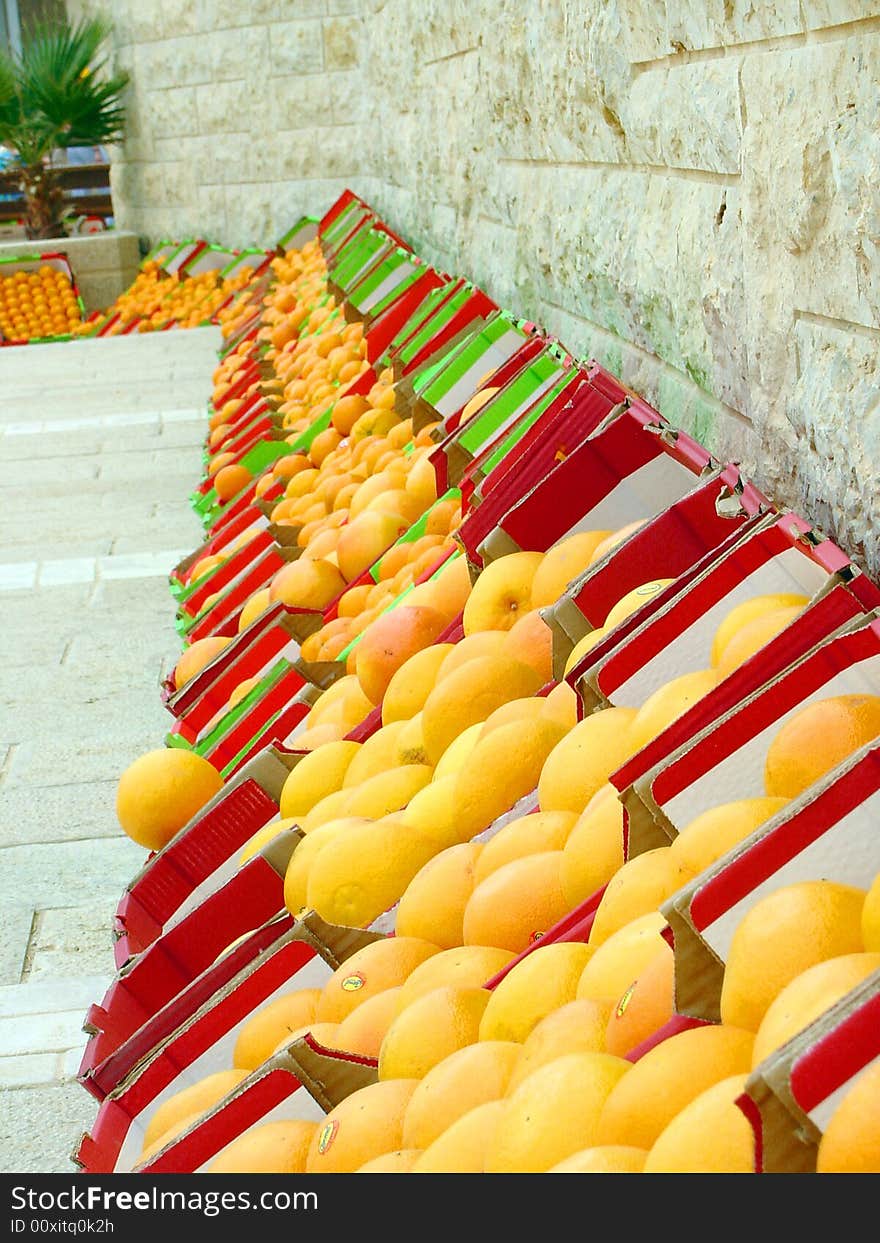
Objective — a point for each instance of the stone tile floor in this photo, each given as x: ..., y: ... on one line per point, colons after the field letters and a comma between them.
x: 100, y: 443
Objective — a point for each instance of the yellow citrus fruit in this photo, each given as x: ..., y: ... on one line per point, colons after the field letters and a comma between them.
x: 316, y: 775
x: 871, y: 917
x: 741, y: 614
x: 561, y: 704
x: 399, y: 1162
x: 261, y: 1034
x: 296, y: 877
x: 633, y: 600
x: 432, y: 811
x: 327, y: 809
x: 411, y: 684
x: 593, y: 852
x: 641, y: 885
x: 752, y: 637
x: 574, y: 1027
x: 262, y: 837
x: 366, y: 1124
x: 850, y: 1143
x: 780, y: 936
x: 668, y: 703
x: 541, y: 982
x: 668, y: 1077
x: 607, y: 1159
x: 376, y: 755
x: 502, y: 592
x: 583, y: 645
x: 382, y: 964
x: 554, y: 1113
x: 468, y: 1077
x: 268, y: 1148
x: 467, y: 966
x: 816, y: 738
x: 195, y: 1099
x: 253, y: 607
x: 469, y: 694
x: 562, y: 564
x: 513, y: 757
x: 808, y: 996
x: 707, y: 837
x: 411, y: 743
x: 455, y: 755
x: 161, y: 791
x: 483, y: 643
x: 527, y: 835
x: 386, y: 792
x: 584, y: 760
x: 461, y: 1148
x: 644, y: 1006
x: 616, y: 538
x: 434, y: 900
x: 619, y: 960
x: 516, y: 904
x: 429, y: 1029
x: 710, y: 1135
x: 364, y: 1029
x: 363, y: 872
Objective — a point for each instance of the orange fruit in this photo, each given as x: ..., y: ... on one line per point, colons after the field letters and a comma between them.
x: 468, y: 1077
x: 382, y: 964
x: 645, y: 1006
x: 196, y: 657
x: 270, y: 1024
x: 436, y: 897
x: 816, y: 738
x: 516, y: 904
x: 230, y: 480
x: 563, y: 563
x: 365, y: 1125
x: 502, y: 593
x: 576, y: 1027
x: 527, y: 835
x: 530, y: 640
x: 390, y: 642
x: 710, y: 1135
x: 429, y: 1029
x: 603, y: 1159
x: 593, y: 852
x: 540, y: 983
x: 850, y: 1143
x: 461, y: 1148
x: 267, y: 1148
x: 364, y: 1029
x: 161, y: 791
x: 584, y: 760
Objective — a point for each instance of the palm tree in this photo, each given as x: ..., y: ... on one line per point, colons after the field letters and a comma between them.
x: 55, y: 94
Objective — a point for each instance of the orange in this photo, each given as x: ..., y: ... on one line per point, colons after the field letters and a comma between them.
x: 502, y: 593
x: 710, y: 1135
x: 364, y: 1029
x: 816, y: 738
x: 641, y: 885
x: 714, y: 832
x: 668, y: 1077
x: 307, y: 584
x: 644, y: 1006
x: 554, y: 1113
x: 483, y: 643
x: 267, y: 1027
x: 429, y: 1029
x: 161, y: 791
x: 469, y: 694
x: 541, y: 982
x: 230, y: 480
x: 194, y: 1099
x: 619, y: 960
x: 376, y: 755
x: 296, y: 877
x: 433, y: 903
x: 386, y: 793
x: 850, y: 1143
x: 466, y: 966
x: 752, y: 637
x: 527, y: 835
x: 668, y: 703
x: 616, y: 538
x: 530, y: 640
x: 468, y: 1077
x: 563, y: 563
x: 253, y: 607
x: 603, y: 1159
x: 808, y: 996
x: 461, y: 1148
x: 390, y: 642
x: 399, y: 1162
x: 384, y: 963
x: 584, y: 760
x: 576, y: 1027
x: 516, y: 904
x: 633, y: 600
x: 365, y: 1125
x: 740, y: 615
x: 871, y: 917
x: 267, y: 1148
x: 780, y: 936
x: 195, y: 657
x: 412, y: 682
x: 316, y: 775
x: 593, y: 851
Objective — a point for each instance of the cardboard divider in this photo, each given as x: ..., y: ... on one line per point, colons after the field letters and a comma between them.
x: 772, y: 554
x: 213, y: 545
x: 268, y: 551
x: 202, y: 856
x: 161, y: 988
x: 304, y: 957
x: 829, y: 831
x: 273, y: 720
x: 790, y: 1097
x: 714, y: 756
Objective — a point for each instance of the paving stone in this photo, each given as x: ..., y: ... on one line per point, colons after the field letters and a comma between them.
x: 63, y: 813
x: 72, y: 758
x: 65, y: 874
x: 41, y: 1033
x: 49, y: 996
x: 28, y: 1070
x: 17, y: 923
x: 40, y: 1127
x: 73, y: 941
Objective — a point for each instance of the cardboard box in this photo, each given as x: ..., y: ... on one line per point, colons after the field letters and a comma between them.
x: 164, y: 986
x: 713, y: 757
x: 243, y: 572
x: 304, y: 957
x: 772, y: 554
x: 790, y: 1098
x: 828, y: 832
x: 447, y: 318
x: 203, y: 856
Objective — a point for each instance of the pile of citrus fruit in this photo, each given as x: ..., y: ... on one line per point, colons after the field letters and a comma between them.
x: 453, y: 800
x: 38, y: 303
x: 158, y: 299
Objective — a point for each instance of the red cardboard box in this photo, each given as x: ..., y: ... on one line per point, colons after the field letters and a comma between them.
x: 304, y: 957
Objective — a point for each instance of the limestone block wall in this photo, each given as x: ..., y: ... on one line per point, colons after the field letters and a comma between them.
x: 687, y: 190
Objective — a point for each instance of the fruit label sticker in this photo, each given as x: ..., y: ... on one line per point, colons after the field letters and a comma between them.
x: 352, y: 983
x: 620, y: 1008
x: 536, y: 936
x: 327, y: 1136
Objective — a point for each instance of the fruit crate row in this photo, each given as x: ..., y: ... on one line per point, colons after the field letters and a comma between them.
x: 516, y: 813
x: 39, y: 300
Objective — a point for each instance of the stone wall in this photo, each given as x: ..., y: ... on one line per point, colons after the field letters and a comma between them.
x: 688, y: 190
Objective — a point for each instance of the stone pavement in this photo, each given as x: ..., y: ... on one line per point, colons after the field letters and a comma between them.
x: 100, y: 443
